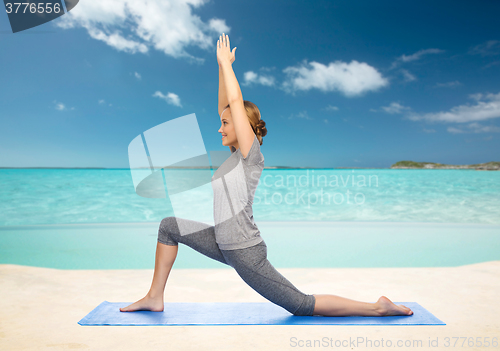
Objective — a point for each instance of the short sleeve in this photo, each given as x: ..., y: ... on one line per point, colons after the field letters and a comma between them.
x: 254, y: 156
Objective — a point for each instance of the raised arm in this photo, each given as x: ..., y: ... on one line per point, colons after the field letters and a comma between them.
x: 242, y: 127
x: 222, y: 92
x: 223, y: 102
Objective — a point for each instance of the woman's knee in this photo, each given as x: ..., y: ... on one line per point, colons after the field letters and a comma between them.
x: 167, y: 230
x: 253, y: 258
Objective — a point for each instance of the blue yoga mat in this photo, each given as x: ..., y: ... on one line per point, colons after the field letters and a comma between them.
x: 240, y: 313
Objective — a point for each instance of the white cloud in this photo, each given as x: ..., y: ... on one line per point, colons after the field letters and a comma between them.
x: 351, y: 79
x: 395, y: 107
x: 302, y: 115
x: 61, y: 107
x: 474, y: 128
x: 454, y: 130
x: 117, y: 41
x: 416, y: 56
x: 492, y: 64
x: 476, y: 96
x: 136, y: 26
x: 267, y: 69
x: 218, y: 26
x: 419, y: 54
x: 408, y: 76
x: 486, y: 107
x: 137, y: 75
x: 103, y: 102
x: 254, y: 78
x: 489, y: 48
x: 453, y: 84
x: 331, y: 108
x: 171, y: 98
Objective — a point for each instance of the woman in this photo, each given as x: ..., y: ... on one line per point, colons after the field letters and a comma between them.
x: 235, y: 239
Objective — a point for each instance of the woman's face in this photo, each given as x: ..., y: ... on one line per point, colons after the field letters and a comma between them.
x: 227, y: 129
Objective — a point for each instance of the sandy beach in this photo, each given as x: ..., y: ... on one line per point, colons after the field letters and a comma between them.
x: 40, y: 307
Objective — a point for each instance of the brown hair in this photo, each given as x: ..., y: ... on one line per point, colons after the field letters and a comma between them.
x: 257, y: 123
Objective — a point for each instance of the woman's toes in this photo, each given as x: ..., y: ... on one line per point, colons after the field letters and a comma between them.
x: 407, y: 310
x: 123, y: 309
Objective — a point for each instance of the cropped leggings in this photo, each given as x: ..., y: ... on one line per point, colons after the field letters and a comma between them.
x: 250, y: 263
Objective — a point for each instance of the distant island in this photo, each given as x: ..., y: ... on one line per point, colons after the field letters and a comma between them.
x: 489, y: 166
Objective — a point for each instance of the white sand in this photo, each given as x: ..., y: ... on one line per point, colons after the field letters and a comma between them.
x: 40, y: 307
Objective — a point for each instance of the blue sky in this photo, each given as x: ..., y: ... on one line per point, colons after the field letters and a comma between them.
x: 339, y: 83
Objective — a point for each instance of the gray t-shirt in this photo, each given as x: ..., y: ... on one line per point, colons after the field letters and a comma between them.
x: 234, y: 184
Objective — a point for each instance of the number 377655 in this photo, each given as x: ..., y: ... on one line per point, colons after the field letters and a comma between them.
x: 17, y: 7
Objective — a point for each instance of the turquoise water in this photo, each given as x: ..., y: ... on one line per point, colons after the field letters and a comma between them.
x: 93, y: 219
x: 290, y: 244
x: 55, y: 196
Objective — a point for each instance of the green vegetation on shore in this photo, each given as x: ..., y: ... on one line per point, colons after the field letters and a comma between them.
x: 490, y: 166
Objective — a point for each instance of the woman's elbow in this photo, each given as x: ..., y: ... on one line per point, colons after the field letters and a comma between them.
x: 235, y: 99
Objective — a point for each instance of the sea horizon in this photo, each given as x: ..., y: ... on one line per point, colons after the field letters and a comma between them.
x: 269, y: 167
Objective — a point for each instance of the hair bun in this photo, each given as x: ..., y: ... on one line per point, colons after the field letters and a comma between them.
x: 261, y: 128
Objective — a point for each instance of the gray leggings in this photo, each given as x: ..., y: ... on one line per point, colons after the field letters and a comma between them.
x: 250, y: 263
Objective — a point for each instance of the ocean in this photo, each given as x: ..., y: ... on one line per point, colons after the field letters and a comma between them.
x: 59, y: 196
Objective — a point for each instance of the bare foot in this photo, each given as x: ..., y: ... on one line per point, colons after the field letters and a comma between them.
x: 147, y: 303
x: 387, y: 308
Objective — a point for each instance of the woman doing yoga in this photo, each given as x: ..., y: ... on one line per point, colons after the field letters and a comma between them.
x: 235, y: 239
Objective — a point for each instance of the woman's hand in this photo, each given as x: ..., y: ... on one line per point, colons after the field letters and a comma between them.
x: 224, y: 54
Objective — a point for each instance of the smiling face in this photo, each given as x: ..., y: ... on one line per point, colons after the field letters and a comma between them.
x: 227, y: 129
